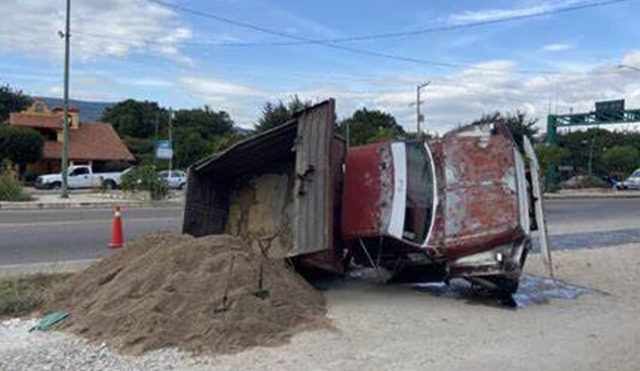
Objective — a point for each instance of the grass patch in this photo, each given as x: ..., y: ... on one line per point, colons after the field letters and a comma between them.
x: 21, y: 296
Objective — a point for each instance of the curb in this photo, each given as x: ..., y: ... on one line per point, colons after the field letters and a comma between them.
x: 590, y: 196
x: 69, y: 266
x: 84, y: 205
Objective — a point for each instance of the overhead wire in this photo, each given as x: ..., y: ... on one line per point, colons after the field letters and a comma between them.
x: 388, y: 35
x: 329, y: 44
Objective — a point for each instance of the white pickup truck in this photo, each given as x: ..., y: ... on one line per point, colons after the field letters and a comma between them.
x: 81, y: 177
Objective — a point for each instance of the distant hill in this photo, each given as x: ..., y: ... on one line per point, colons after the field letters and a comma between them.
x: 89, y: 111
x: 92, y: 111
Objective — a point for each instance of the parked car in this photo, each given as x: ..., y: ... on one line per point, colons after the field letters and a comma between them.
x: 632, y: 182
x: 176, y: 179
x: 81, y: 177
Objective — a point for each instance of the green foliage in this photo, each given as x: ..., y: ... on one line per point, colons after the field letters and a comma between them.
x: 599, y: 142
x: 518, y: 124
x: 370, y: 126
x: 621, y: 160
x: 25, y: 295
x: 12, y: 101
x: 145, y: 178
x: 277, y: 114
x: 141, y: 148
x: 191, y: 149
x: 206, y: 122
x: 20, y: 145
x: 134, y: 118
x: 549, y: 153
x: 18, y: 297
x: 194, y: 130
x: 223, y: 142
x: 10, y: 187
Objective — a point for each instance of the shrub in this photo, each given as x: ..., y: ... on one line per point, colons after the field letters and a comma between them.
x: 145, y: 178
x: 11, y: 188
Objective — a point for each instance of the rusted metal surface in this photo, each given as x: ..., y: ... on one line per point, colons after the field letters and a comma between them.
x: 368, y: 191
x: 479, y: 198
x: 478, y: 225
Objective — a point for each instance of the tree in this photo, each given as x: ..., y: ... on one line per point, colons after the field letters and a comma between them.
x: 207, y: 122
x: 191, y: 149
x: 223, y: 142
x: 549, y: 153
x: 12, y: 101
x: 518, y: 124
x: 369, y: 126
x: 20, y: 145
x: 277, y: 114
x: 621, y: 160
x: 135, y: 119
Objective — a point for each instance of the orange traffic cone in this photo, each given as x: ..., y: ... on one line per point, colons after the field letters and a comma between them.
x: 117, y: 237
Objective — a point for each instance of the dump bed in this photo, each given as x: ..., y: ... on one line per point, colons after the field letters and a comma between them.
x: 278, y: 190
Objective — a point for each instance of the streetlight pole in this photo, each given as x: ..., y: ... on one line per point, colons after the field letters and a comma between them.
x: 65, y: 130
x: 419, y: 116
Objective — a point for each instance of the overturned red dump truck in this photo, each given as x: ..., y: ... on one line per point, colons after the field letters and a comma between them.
x: 462, y: 206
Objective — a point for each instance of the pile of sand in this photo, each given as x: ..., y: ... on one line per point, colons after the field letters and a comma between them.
x: 167, y: 291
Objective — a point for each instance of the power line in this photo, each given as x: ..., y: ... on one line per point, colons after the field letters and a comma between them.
x: 327, y: 43
x: 388, y: 35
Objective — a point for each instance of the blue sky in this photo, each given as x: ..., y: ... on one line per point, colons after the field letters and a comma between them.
x: 143, y: 49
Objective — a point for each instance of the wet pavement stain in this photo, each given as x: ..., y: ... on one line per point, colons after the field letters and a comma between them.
x: 539, y: 290
x: 533, y: 290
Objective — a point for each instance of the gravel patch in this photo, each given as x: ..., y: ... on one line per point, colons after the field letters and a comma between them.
x: 383, y: 327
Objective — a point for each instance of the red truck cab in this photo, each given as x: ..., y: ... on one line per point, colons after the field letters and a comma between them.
x: 459, y: 206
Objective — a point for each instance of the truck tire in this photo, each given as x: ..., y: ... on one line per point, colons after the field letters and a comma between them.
x: 55, y: 185
x: 109, y: 184
x: 181, y: 186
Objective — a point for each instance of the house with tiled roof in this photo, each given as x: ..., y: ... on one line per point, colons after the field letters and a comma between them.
x: 89, y: 143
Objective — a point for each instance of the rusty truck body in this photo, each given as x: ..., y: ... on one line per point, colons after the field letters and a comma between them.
x: 463, y: 205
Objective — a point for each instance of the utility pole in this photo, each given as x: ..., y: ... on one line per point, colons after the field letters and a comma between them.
x: 65, y: 130
x: 155, y: 143
x: 419, y: 116
x: 171, y: 139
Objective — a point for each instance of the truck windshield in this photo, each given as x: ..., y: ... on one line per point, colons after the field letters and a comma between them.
x: 420, y: 193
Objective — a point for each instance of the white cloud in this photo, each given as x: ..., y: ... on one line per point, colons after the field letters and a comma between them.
x: 632, y: 59
x: 99, y: 28
x: 558, y: 47
x: 216, y: 89
x: 488, y: 15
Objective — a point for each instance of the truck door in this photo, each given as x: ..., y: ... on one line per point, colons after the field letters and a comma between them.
x: 79, y: 178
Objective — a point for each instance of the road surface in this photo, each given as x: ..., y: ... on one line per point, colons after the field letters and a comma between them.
x: 40, y: 236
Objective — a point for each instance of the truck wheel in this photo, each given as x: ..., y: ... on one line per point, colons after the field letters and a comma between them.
x: 55, y: 185
x: 109, y: 184
x: 181, y: 186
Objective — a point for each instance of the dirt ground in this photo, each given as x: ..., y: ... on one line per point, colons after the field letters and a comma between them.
x: 383, y: 327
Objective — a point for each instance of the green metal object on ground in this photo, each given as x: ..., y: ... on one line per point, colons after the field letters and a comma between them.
x: 49, y: 320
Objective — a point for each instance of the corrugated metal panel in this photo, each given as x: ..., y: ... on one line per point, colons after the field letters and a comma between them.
x: 304, y: 150
x: 313, y: 227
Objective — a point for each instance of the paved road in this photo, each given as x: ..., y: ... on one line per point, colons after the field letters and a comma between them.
x: 592, y: 210
x: 37, y: 236
x: 58, y: 235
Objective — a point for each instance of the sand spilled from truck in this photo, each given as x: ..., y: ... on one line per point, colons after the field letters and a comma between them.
x: 168, y: 291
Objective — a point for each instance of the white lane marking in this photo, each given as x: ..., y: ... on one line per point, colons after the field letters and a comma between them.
x: 73, y: 222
